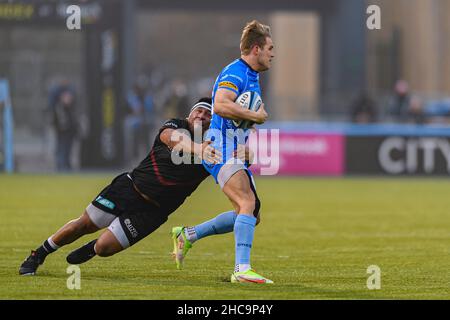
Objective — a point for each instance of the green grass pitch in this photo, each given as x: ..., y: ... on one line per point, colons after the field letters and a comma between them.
x: 316, y: 240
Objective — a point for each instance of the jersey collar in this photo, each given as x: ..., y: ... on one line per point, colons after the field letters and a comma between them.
x: 244, y: 62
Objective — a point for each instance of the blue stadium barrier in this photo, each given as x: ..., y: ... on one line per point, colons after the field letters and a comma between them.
x: 8, y: 126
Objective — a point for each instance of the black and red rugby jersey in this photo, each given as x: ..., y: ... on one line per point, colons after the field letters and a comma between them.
x: 158, y: 177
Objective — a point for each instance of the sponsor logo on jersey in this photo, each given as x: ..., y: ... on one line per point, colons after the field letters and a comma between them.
x: 171, y: 124
x: 228, y: 84
x: 105, y: 202
x: 131, y: 228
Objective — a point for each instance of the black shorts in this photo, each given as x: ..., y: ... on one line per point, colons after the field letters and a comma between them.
x: 129, y: 216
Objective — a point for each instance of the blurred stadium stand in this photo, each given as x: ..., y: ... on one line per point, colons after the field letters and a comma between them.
x: 325, y: 59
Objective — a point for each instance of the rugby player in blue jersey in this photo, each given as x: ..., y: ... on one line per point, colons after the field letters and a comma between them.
x: 233, y: 175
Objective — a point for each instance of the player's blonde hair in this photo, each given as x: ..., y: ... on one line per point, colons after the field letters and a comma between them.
x: 254, y: 33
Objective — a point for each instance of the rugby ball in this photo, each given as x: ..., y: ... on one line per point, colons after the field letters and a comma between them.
x: 248, y: 100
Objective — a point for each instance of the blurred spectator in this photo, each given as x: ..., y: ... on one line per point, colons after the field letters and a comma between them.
x: 416, y: 113
x: 176, y: 104
x: 399, y: 105
x: 363, y: 109
x: 137, y: 123
x: 62, y: 104
x: 204, y: 86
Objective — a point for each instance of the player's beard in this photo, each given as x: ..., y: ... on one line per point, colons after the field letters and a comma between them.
x: 204, y: 125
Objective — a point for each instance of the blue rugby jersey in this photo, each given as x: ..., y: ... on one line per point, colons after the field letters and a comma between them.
x: 237, y: 77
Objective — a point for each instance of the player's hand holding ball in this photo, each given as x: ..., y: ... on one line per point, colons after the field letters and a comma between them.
x: 261, y: 115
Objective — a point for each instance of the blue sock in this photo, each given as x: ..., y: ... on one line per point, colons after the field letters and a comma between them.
x: 244, y: 228
x: 223, y: 223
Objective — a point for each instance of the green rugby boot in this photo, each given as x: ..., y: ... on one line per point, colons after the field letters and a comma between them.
x: 249, y: 276
x: 181, y: 245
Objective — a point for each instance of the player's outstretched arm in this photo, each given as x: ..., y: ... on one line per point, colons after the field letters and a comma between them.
x: 225, y: 106
x: 178, y: 140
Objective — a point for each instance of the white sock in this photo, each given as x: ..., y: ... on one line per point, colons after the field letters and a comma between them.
x: 242, y: 267
x: 190, y: 233
x: 52, y: 244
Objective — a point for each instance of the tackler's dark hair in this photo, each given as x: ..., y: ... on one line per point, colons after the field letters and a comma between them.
x: 207, y: 100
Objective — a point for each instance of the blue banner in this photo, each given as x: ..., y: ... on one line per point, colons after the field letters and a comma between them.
x: 8, y: 127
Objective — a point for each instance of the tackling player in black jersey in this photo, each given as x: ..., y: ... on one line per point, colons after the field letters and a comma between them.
x: 136, y: 203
